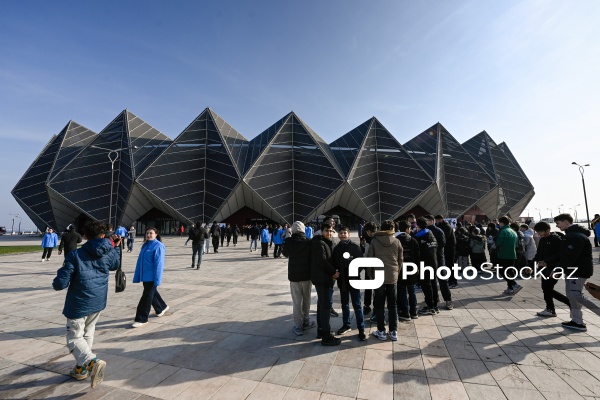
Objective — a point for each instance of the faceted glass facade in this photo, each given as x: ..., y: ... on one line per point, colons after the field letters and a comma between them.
x: 286, y: 173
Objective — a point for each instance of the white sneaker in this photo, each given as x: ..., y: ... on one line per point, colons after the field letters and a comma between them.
x: 163, y: 312
x: 546, y: 313
x: 381, y: 335
x: 43, y: 259
x: 138, y: 324
x: 394, y: 336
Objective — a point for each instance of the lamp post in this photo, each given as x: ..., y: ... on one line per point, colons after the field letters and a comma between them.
x: 539, y: 213
x: 562, y: 205
x: 550, y: 212
x: 581, y: 171
x: 113, y: 155
x: 12, y: 229
x: 575, y: 210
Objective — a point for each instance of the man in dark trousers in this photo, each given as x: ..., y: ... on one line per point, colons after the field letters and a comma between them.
x: 449, y: 247
x: 69, y: 241
x: 215, y: 234
x: 440, y: 238
x: 322, y: 274
x: 197, y: 235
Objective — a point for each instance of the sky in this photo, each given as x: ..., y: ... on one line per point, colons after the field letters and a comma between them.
x: 524, y: 71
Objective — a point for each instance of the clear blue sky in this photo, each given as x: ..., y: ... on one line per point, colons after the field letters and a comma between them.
x: 525, y: 71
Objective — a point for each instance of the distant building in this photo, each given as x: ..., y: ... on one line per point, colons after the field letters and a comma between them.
x: 287, y: 173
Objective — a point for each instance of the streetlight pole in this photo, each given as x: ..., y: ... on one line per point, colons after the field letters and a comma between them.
x: 581, y: 171
x: 540, y: 214
x: 575, y: 210
x: 12, y: 229
x: 550, y: 212
x: 113, y: 156
x: 562, y: 205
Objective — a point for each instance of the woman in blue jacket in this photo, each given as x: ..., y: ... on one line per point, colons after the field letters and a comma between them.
x: 49, y: 242
x: 149, y: 271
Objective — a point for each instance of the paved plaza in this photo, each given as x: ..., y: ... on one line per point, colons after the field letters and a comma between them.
x: 227, y: 335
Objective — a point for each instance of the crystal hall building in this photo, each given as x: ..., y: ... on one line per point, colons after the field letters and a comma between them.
x: 288, y: 173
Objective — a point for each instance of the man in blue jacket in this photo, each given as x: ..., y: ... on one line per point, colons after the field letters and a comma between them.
x: 85, y: 274
x: 265, y: 238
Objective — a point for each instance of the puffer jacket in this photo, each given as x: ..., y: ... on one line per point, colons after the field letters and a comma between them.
x: 530, y: 247
x: 342, y: 264
x: 548, y: 250
x: 85, y: 274
x: 389, y: 250
x: 321, y: 268
x: 150, y: 263
x: 50, y: 240
x: 410, y: 253
x: 477, y: 244
x: 428, y: 247
x: 576, y: 252
x: 68, y: 241
x: 298, y: 250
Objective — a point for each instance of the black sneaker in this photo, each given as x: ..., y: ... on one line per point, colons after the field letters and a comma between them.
x: 426, y: 311
x: 403, y: 317
x: 331, y: 341
x: 575, y: 325
x: 435, y: 311
x: 361, y: 335
x: 333, y: 313
x: 366, y: 310
x: 414, y: 316
x: 373, y: 318
x: 344, y: 329
x: 320, y: 334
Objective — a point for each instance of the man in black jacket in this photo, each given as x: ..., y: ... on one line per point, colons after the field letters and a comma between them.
x: 343, y: 254
x: 215, y: 234
x: 298, y: 250
x: 428, y: 251
x: 69, y: 241
x: 440, y: 238
x: 406, y: 299
x: 449, y: 247
x: 547, y: 257
x: 322, y: 274
x: 576, y: 262
x: 197, y: 235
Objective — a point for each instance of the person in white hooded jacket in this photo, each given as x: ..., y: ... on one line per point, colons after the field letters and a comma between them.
x: 530, y: 247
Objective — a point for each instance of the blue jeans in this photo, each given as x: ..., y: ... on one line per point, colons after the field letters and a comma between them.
x: 130, y: 244
x: 345, y: 297
x: 324, y: 294
x: 386, y: 293
x: 196, y: 250
x: 407, y: 300
x: 255, y: 241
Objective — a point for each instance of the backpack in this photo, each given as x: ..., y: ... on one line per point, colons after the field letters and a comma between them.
x: 120, y: 278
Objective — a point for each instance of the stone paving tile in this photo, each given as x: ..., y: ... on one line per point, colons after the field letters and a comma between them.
x: 411, y: 387
x: 343, y: 381
x: 376, y: 385
x: 312, y: 376
x: 447, y: 390
x: 268, y: 391
x: 486, y: 392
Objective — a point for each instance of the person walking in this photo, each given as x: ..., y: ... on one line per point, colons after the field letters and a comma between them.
x: 576, y: 262
x: 149, y: 271
x: 206, y: 238
x: 297, y: 249
x: 235, y: 232
x: 265, y: 239
x: 196, y: 235
x: 215, y: 234
x: 228, y: 233
x: 254, y: 234
x: 85, y: 275
x: 278, y: 239
x: 69, y: 241
x: 506, y: 252
x: 49, y: 242
x: 130, y: 238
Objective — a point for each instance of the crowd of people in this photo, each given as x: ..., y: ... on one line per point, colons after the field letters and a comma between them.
x: 322, y: 258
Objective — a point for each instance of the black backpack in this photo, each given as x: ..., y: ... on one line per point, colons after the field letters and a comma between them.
x: 120, y: 278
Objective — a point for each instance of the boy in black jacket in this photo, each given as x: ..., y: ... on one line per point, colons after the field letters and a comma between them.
x: 322, y: 274
x: 547, y: 257
x: 406, y: 303
x: 343, y: 254
x: 197, y: 236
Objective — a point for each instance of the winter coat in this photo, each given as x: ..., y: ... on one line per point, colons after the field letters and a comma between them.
x: 121, y: 231
x: 343, y: 264
x: 576, y: 252
x: 298, y: 250
x: 309, y: 232
x: 254, y: 233
x: 50, y: 240
x: 450, y: 246
x: 441, y: 243
x: 265, y: 236
x: 69, y: 241
x: 150, y: 263
x: 477, y: 244
x: 197, y: 236
x: 463, y: 245
x: 321, y: 268
x: 427, y: 247
x: 215, y: 231
x: 278, y: 236
x: 548, y: 250
x: 85, y: 274
x: 410, y: 253
x: 389, y: 250
x: 530, y: 247
x: 506, y: 243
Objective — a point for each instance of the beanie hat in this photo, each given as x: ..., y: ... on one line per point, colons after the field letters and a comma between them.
x: 298, y: 226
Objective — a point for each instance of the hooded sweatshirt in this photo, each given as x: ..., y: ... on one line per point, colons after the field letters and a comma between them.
x: 389, y: 250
